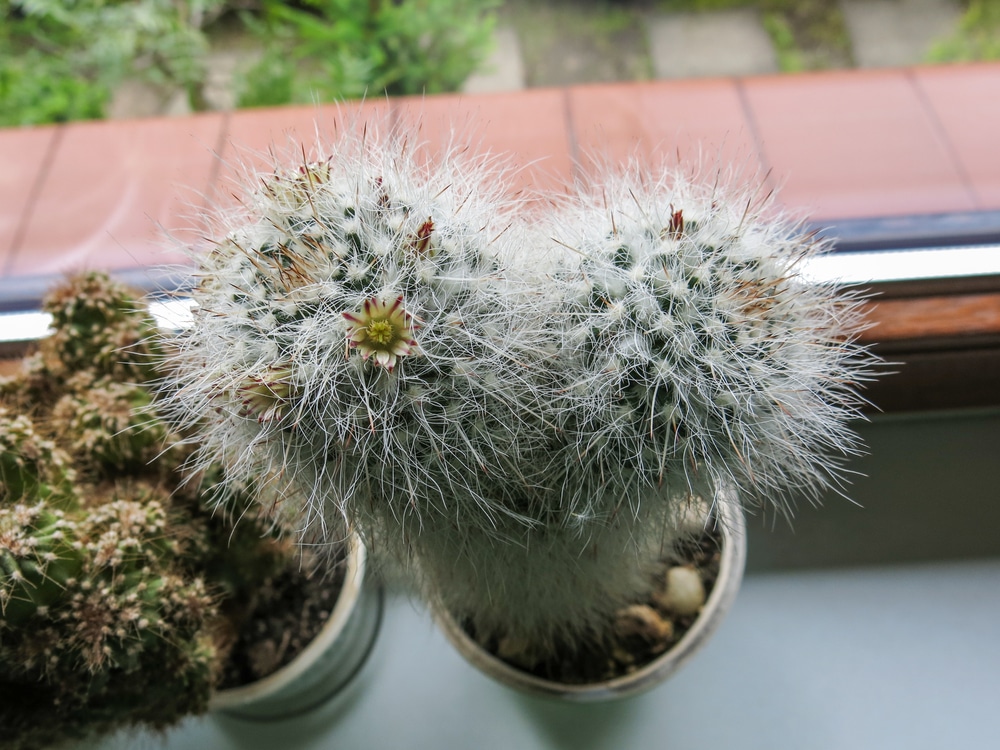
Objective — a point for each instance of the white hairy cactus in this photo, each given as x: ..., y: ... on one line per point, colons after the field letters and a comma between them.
x: 366, y: 339
x: 702, y: 356
x: 526, y: 408
x: 695, y: 363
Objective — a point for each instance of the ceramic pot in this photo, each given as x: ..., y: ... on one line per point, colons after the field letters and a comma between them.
x: 729, y: 520
x: 327, y: 665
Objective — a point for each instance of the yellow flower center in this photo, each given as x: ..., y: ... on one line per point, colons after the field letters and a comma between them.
x: 381, y: 332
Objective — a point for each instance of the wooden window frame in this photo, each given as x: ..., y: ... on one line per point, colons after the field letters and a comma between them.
x: 940, y: 337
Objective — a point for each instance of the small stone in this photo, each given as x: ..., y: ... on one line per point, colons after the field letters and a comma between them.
x: 641, y: 620
x: 622, y: 656
x: 517, y: 651
x: 685, y: 592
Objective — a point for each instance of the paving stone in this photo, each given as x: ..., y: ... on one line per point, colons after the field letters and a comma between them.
x: 224, y: 66
x: 136, y: 98
x: 890, y: 33
x: 691, y: 45
x: 233, y: 52
x: 565, y: 42
x: 503, y: 70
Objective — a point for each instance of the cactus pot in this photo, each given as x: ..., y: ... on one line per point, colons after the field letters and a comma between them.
x: 327, y: 666
x: 728, y: 518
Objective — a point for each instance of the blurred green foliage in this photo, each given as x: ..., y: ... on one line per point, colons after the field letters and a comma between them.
x: 38, y: 88
x: 977, y: 36
x: 321, y: 50
x: 783, y: 39
x: 61, y: 60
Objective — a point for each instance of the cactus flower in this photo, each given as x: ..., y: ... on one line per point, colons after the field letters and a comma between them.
x: 382, y: 329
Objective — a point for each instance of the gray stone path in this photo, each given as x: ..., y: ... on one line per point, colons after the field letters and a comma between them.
x: 692, y: 45
x: 886, y: 33
x: 504, y: 70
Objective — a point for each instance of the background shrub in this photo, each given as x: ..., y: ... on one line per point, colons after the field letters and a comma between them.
x: 62, y: 61
x: 321, y: 50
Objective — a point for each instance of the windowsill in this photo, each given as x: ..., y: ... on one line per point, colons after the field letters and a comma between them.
x: 865, y: 659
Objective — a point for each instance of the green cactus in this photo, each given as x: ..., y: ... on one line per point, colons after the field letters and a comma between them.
x: 38, y: 558
x: 99, y: 325
x: 95, y: 596
x: 119, y: 585
x: 109, y: 426
x: 30, y: 465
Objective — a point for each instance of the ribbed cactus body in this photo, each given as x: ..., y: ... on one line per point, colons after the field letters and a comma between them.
x: 94, y: 583
x: 113, y: 587
x: 102, y: 623
x: 30, y: 464
x: 108, y: 426
x: 38, y: 559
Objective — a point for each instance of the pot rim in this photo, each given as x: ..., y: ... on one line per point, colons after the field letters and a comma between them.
x: 333, y: 628
x: 729, y: 519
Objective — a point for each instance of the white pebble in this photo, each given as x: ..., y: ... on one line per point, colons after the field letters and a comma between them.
x: 685, y: 594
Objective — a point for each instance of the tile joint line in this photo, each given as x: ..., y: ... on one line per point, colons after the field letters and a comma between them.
x: 753, y: 125
x: 35, y: 191
x: 571, y: 140
x: 942, y: 133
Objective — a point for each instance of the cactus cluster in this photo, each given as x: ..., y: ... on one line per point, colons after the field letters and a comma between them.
x: 101, y: 623
x: 695, y: 364
x: 113, y: 573
x: 521, y: 404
